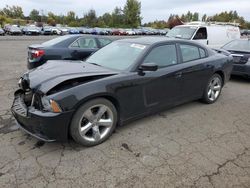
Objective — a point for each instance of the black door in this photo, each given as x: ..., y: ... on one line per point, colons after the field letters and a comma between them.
x: 195, y: 71
x: 163, y: 87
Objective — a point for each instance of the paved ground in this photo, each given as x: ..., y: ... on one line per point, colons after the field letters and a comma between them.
x: 193, y: 145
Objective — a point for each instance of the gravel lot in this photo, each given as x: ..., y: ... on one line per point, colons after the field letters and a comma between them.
x: 192, y: 145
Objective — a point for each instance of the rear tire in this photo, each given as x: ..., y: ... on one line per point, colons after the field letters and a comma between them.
x: 94, y: 122
x: 213, y: 89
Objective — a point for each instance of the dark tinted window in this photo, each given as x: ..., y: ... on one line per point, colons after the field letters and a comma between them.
x: 104, y: 42
x: 201, y: 34
x: 189, y: 52
x: 202, y: 53
x: 162, y: 56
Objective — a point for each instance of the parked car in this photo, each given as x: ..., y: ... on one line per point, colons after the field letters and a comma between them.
x: 99, y: 31
x: 240, y: 50
x: 130, y: 32
x: 69, y: 47
x: 64, y: 30
x: 14, y: 30
x: 56, y: 31
x: 119, y: 32
x: 244, y: 32
x: 47, y: 30
x: 31, y: 30
x: 2, y: 31
x: 214, y: 35
x: 126, y: 80
x: 73, y: 31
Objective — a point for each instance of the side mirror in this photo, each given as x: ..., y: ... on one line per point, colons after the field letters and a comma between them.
x: 148, y: 67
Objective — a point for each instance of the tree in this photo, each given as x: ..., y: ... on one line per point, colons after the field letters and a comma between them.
x: 106, y: 19
x: 34, y: 15
x: 90, y: 19
x: 71, y: 17
x: 132, y: 13
x: 204, y: 18
x: 117, y: 18
x: 51, y: 21
x: 12, y: 11
x: 3, y: 20
x: 195, y: 16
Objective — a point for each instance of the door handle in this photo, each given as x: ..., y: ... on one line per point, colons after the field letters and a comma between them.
x: 178, y: 74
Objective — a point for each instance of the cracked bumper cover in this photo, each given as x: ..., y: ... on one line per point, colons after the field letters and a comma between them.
x: 46, y: 126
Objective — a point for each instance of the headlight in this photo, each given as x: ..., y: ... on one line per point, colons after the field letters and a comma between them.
x: 50, y: 105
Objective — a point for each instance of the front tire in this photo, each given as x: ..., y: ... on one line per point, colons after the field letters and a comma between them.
x: 94, y: 122
x: 213, y: 89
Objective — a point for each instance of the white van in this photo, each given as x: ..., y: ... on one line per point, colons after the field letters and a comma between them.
x: 214, y: 35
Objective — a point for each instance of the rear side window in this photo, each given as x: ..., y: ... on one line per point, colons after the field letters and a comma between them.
x: 104, y: 42
x: 202, y: 53
x: 84, y: 43
x: 162, y: 56
x: 189, y: 52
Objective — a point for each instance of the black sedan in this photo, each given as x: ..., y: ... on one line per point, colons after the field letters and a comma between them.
x: 240, y: 50
x: 126, y: 80
x: 77, y: 47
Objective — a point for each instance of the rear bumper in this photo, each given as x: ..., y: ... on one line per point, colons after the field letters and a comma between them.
x: 46, y: 126
x: 241, y: 69
x: 34, y: 64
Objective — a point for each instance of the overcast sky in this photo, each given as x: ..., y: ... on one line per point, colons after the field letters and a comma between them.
x: 151, y: 9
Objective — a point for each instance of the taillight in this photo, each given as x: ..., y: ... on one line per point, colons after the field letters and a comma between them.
x: 37, y: 53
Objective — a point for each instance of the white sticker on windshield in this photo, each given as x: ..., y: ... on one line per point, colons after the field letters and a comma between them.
x: 139, y: 46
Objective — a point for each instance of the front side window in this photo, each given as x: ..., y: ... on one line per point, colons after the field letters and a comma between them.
x: 201, y: 34
x: 163, y: 56
x: 189, y: 52
x: 84, y: 43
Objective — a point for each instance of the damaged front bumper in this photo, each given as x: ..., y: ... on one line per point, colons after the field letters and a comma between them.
x: 46, y: 126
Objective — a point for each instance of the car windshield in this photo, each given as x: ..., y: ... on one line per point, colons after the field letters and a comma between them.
x: 56, y: 40
x: 117, y: 55
x: 182, y: 32
x: 238, y: 45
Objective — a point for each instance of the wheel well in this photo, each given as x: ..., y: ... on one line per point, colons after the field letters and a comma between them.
x: 222, y: 76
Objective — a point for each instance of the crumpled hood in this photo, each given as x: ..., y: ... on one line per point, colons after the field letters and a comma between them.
x: 55, y: 72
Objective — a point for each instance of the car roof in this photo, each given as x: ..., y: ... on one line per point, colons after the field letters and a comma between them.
x: 93, y: 36
x: 155, y: 40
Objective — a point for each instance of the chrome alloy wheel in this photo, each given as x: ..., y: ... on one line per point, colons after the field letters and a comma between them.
x: 214, y: 88
x: 96, y: 122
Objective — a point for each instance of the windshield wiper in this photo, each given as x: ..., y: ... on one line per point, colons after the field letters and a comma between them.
x: 95, y: 64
